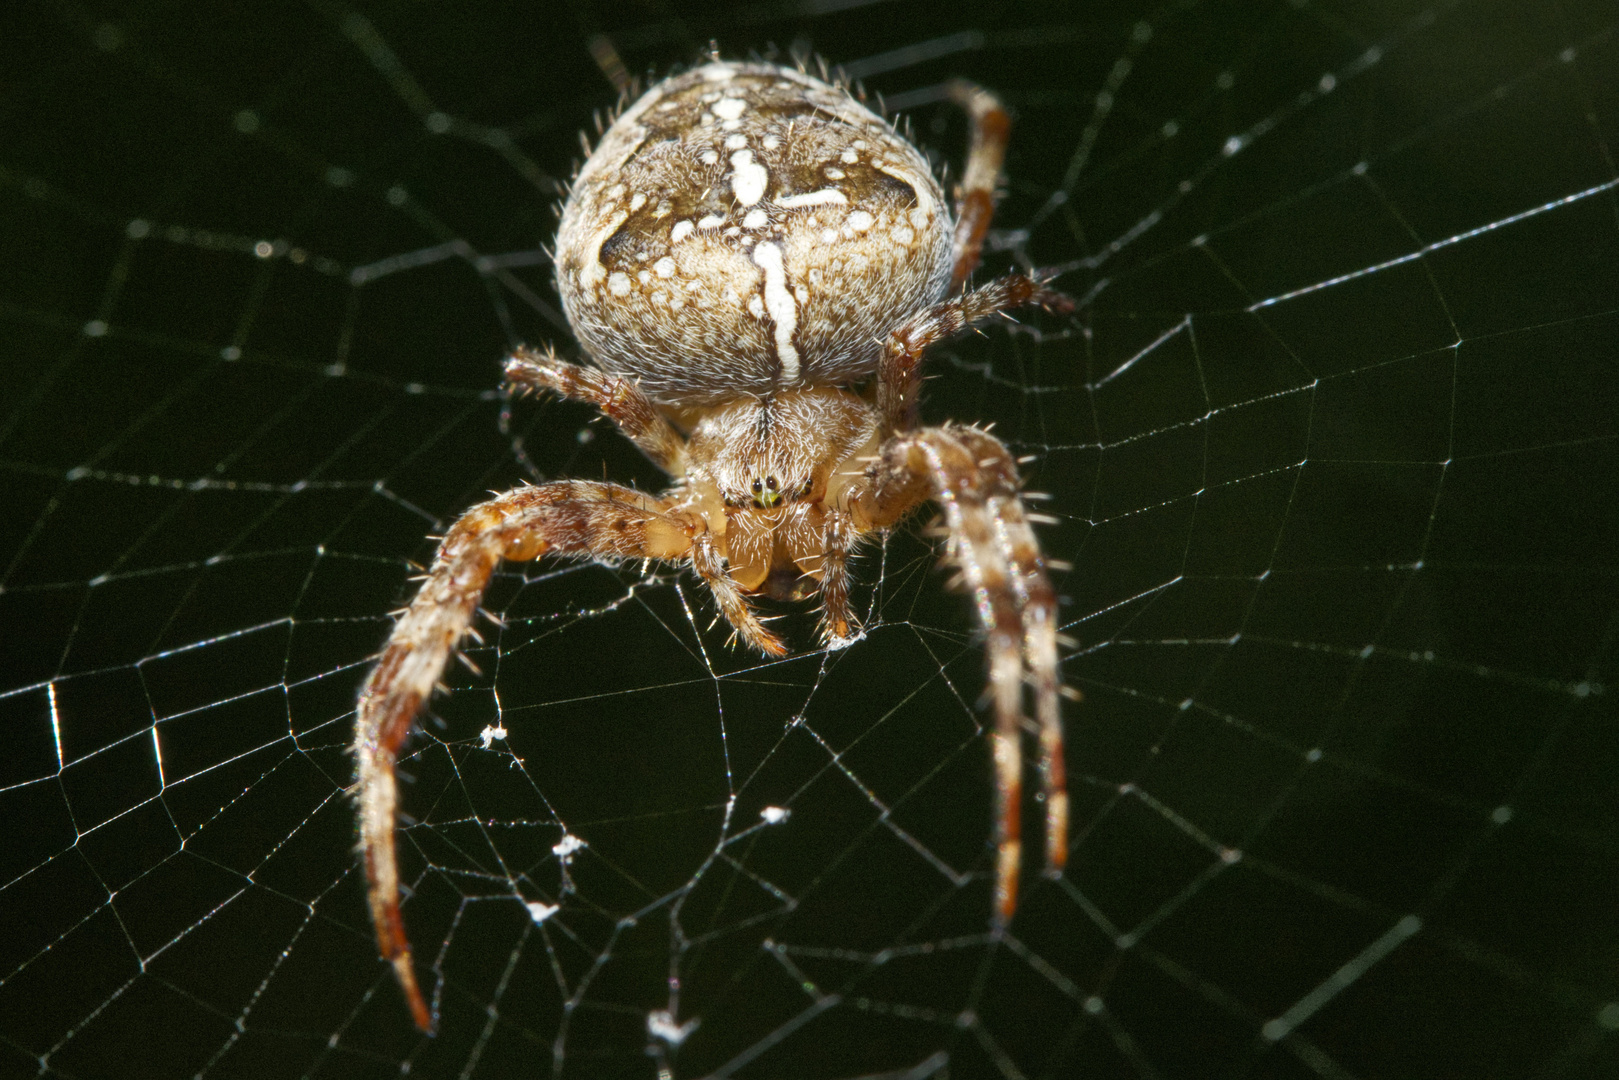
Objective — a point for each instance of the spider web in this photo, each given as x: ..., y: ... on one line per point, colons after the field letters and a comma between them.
x: 1330, y: 445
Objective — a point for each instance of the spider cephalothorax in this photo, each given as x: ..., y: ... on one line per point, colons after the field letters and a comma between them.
x: 779, y: 465
x: 756, y: 263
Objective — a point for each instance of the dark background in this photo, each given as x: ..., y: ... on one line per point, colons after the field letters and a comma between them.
x: 1345, y: 587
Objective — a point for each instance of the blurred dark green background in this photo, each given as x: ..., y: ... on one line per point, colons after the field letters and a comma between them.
x: 1345, y: 581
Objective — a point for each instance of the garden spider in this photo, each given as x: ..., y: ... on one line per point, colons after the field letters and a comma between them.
x: 744, y: 245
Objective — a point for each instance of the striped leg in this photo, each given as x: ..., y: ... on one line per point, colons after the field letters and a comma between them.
x: 569, y: 517
x: 974, y: 480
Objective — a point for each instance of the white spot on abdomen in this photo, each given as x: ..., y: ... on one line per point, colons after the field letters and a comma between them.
x: 813, y: 198
x: 782, y: 307
x: 749, y: 180
x: 729, y: 108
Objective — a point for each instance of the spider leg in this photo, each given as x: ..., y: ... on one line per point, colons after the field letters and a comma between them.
x: 840, y: 539
x: 974, y: 479
x: 619, y: 399
x: 569, y: 517
x: 899, y: 378
x: 706, y: 561
x: 975, y: 196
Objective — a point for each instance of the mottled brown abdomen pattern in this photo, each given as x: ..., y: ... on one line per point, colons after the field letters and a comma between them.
x: 741, y: 229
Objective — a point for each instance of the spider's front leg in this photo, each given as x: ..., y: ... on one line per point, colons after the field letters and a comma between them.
x: 974, y: 479
x: 838, y: 543
x: 568, y: 517
x: 707, y: 561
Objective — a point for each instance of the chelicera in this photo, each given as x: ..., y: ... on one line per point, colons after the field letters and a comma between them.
x: 755, y: 264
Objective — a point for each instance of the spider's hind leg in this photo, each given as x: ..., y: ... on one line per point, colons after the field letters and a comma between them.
x: 991, y: 128
x: 899, y: 369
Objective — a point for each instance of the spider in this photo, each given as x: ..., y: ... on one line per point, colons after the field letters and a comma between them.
x: 745, y: 247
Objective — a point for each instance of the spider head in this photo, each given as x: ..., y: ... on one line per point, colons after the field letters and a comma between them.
x: 765, y: 454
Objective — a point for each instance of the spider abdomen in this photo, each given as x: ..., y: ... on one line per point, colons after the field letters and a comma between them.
x: 746, y: 228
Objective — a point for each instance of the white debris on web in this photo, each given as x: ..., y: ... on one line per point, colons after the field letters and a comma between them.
x: 567, y: 847
x: 838, y: 643
x: 540, y: 912
x: 661, y: 1026
x: 775, y: 815
x: 491, y: 732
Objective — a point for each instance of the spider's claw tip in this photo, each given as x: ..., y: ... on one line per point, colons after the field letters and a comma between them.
x: 769, y: 644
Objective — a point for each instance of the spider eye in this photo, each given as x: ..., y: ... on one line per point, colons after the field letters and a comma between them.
x: 765, y: 493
